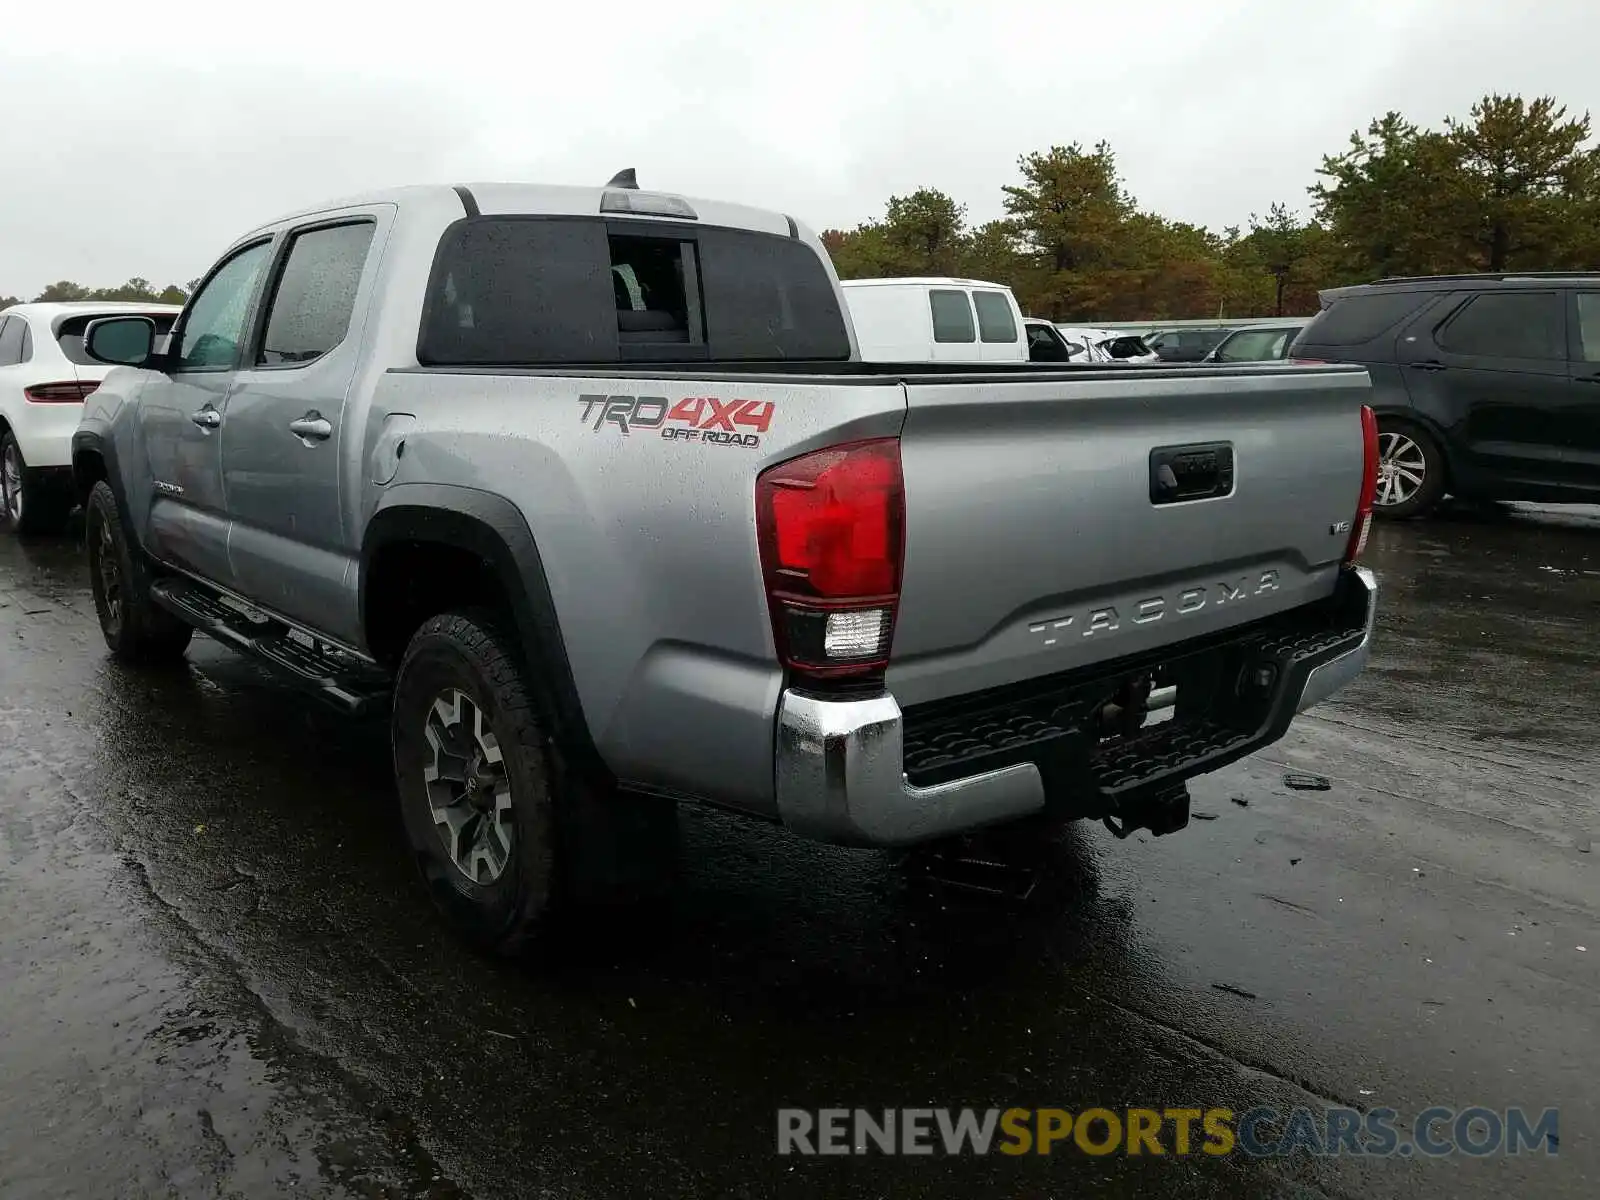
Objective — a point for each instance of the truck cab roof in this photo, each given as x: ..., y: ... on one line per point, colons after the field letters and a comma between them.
x: 558, y: 200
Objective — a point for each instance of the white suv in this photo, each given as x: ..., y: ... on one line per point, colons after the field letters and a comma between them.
x: 44, y: 376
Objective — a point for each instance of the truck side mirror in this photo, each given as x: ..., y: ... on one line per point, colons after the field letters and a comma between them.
x: 120, y: 341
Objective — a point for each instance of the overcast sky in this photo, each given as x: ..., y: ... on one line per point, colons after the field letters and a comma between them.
x: 140, y: 143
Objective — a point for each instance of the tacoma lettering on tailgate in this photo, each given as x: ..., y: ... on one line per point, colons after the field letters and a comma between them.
x: 1153, y: 608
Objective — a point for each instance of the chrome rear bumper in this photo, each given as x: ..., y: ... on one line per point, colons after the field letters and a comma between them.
x: 841, y: 763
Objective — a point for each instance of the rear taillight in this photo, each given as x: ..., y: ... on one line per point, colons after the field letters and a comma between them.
x: 1308, y: 362
x: 831, y: 527
x: 1369, y: 485
x: 59, y: 393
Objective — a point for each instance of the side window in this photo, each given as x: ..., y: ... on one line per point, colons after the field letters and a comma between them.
x: 1588, y: 347
x: 1355, y: 319
x: 952, y: 317
x: 1508, y: 325
x: 10, y: 341
x: 310, y: 309
x: 995, y: 323
x: 1043, y: 347
x: 26, y: 353
x: 214, y: 325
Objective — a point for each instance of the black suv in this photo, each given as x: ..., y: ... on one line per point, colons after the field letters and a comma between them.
x: 1486, y: 386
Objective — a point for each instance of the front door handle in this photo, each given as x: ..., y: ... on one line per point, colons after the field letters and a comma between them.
x: 1427, y: 364
x: 312, y: 427
x: 206, y: 418
x: 1589, y: 378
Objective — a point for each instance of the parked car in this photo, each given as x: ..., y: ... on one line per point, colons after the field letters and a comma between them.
x: 1127, y: 347
x: 935, y: 320
x: 44, y: 376
x: 1048, y: 342
x: 1258, y: 343
x: 1185, y: 345
x: 594, y: 549
x: 1115, y: 346
x: 1486, y: 386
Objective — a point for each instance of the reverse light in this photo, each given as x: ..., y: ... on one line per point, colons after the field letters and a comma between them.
x: 69, y: 392
x: 1369, y: 486
x: 831, y: 527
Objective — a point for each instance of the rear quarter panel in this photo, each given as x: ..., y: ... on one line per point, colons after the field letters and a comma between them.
x: 648, y: 541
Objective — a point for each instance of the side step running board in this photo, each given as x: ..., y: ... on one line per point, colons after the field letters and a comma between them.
x: 352, y: 687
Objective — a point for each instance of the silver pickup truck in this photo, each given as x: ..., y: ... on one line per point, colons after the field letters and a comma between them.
x: 587, y: 490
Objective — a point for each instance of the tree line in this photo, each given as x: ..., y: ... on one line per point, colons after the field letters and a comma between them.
x: 136, y: 289
x: 1513, y: 186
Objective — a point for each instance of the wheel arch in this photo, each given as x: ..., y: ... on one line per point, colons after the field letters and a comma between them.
x: 94, y: 458
x: 453, y: 521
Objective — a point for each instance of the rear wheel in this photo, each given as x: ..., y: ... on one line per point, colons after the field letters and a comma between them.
x: 503, y: 829
x: 1411, y: 471
x: 135, y: 629
x: 473, y: 767
x: 25, y: 506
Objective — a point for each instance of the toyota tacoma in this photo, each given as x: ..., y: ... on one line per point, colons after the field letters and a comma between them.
x: 588, y: 493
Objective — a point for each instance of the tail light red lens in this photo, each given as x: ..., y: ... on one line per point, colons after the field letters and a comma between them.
x: 1308, y: 362
x: 1369, y: 486
x: 72, y: 392
x: 831, y: 527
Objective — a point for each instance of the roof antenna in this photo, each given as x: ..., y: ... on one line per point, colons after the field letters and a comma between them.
x: 625, y: 179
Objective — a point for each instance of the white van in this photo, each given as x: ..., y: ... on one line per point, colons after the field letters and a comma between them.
x: 935, y: 320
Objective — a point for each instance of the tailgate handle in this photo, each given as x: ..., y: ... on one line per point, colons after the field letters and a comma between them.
x: 1198, y: 472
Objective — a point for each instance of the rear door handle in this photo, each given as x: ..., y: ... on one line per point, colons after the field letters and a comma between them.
x: 206, y: 418
x: 1427, y: 364
x: 313, y: 427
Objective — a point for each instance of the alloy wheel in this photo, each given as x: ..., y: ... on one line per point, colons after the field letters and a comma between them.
x: 11, y: 483
x: 1402, y: 468
x: 468, y: 790
x: 108, y: 571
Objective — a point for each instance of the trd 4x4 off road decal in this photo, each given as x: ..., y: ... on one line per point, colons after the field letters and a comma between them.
x: 705, y: 419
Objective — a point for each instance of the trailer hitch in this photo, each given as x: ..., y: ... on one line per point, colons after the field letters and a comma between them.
x: 1160, y: 812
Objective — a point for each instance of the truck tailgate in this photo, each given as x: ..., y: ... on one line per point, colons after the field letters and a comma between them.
x: 1037, y: 542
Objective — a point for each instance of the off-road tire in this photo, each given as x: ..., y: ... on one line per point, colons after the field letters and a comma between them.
x: 578, y: 840
x: 466, y: 652
x: 135, y: 629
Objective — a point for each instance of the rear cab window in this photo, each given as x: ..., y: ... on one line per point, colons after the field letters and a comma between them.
x: 952, y: 316
x: 523, y: 290
x: 995, y: 322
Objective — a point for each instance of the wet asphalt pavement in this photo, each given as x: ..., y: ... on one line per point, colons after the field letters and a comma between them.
x: 219, y: 977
